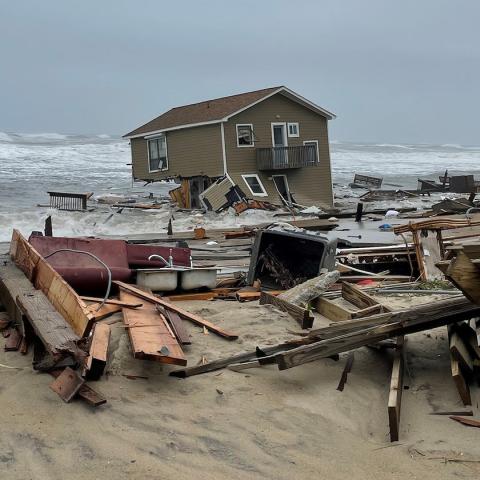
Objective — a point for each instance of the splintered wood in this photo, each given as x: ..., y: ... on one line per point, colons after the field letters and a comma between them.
x: 150, y: 335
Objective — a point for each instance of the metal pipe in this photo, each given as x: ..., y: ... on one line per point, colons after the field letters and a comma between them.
x: 168, y: 264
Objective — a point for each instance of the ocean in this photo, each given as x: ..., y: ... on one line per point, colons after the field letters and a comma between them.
x: 32, y: 164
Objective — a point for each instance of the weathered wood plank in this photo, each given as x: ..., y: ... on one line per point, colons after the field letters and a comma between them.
x: 396, y: 390
x: 465, y: 276
x: 98, y: 351
x: 177, y: 325
x: 175, y: 308
x: 459, y: 351
x: 111, y: 301
x: 301, y: 315
x: 149, y: 334
x: 331, y: 310
x: 460, y: 382
x: 54, y: 332
x: 412, y: 320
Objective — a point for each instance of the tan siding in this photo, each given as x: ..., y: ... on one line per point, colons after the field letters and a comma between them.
x: 216, y: 193
x: 191, y: 152
x: 309, y: 185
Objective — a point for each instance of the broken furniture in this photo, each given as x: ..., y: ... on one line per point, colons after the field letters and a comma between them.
x: 364, y: 181
x: 69, y: 201
x: 89, y: 275
x: 281, y: 259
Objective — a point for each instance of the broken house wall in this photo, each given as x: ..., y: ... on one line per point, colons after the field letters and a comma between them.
x: 191, y: 152
x: 309, y: 185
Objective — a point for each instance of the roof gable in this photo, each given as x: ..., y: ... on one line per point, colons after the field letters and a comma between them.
x: 216, y: 110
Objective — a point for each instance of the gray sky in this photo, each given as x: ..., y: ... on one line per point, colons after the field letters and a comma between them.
x: 393, y: 71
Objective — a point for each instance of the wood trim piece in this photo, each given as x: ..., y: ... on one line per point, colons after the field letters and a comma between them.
x: 396, y: 389
x: 301, y: 315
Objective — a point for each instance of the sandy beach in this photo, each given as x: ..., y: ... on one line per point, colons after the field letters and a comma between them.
x: 258, y: 423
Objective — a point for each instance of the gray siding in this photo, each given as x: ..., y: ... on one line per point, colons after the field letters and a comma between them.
x: 191, y: 152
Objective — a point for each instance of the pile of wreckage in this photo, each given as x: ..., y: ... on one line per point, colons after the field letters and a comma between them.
x: 58, y: 294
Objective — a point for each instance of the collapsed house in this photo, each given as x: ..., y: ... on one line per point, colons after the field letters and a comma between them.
x: 267, y: 145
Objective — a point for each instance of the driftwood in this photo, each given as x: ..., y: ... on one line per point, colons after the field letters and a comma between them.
x: 304, y: 293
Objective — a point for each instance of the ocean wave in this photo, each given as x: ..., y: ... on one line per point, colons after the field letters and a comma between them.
x: 5, y: 137
x: 392, y: 145
x: 45, y: 136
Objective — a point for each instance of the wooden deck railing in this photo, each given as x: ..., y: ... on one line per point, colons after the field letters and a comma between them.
x: 276, y: 158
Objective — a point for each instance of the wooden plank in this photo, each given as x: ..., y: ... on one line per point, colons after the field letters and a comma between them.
x: 67, y: 384
x: 396, y: 390
x: 150, y: 336
x: 393, y: 324
x: 177, y: 325
x: 459, y: 351
x: 13, y: 341
x: 331, y: 310
x: 470, y: 422
x: 301, y: 315
x: 104, y: 311
x: 46, y: 279
x: 347, y: 369
x: 13, y: 282
x: 98, y: 351
x: 251, y: 296
x: 358, y: 297
x: 111, y: 301
x: 460, y: 382
x: 51, y: 328
x: 86, y: 393
x: 465, y: 276
x: 183, y: 313
x: 430, y: 256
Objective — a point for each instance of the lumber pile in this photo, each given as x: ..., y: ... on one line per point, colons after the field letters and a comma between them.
x: 69, y: 334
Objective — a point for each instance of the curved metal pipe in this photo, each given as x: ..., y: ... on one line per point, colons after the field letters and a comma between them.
x: 467, y: 213
x: 107, y: 294
x: 161, y: 258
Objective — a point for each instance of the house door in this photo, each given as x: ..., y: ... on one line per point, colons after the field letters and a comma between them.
x: 281, y: 185
x: 279, y: 142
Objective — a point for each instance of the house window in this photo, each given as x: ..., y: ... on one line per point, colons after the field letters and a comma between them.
x: 312, y: 154
x: 245, y: 135
x: 293, y: 130
x: 255, y: 185
x: 157, y: 154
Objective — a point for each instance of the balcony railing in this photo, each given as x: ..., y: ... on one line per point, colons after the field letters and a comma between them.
x: 276, y: 158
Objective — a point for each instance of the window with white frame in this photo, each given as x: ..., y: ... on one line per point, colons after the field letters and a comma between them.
x: 245, y: 135
x: 255, y: 185
x: 293, y: 129
x: 312, y: 153
x: 157, y: 154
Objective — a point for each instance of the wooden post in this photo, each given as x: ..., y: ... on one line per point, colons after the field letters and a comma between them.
x: 396, y: 389
x: 48, y: 227
x: 169, y: 228
x: 358, y: 214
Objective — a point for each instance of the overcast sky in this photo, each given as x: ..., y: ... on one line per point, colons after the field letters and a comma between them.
x: 392, y: 71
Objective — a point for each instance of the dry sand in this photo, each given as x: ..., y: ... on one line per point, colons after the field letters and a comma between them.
x: 261, y: 423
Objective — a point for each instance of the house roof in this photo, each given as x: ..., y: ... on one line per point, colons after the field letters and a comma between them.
x: 216, y: 110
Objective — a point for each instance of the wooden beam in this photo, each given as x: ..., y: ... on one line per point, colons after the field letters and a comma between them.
x: 301, y: 315
x: 393, y: 324
x: 470, y: 422
x: 98, y: 352
x: 396, y: 389
x: 111, y: 301
x: 67, y: 384
x: 359, y: 298
x: 347, y: 369
x: 183, y: 313
x: 104, y: 311
x: 150, y: 336
x: 459, y: 351
x: 51, y: 328
x: 331, y: 310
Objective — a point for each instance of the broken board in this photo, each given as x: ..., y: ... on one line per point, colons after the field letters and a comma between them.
x: 150, y: 336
